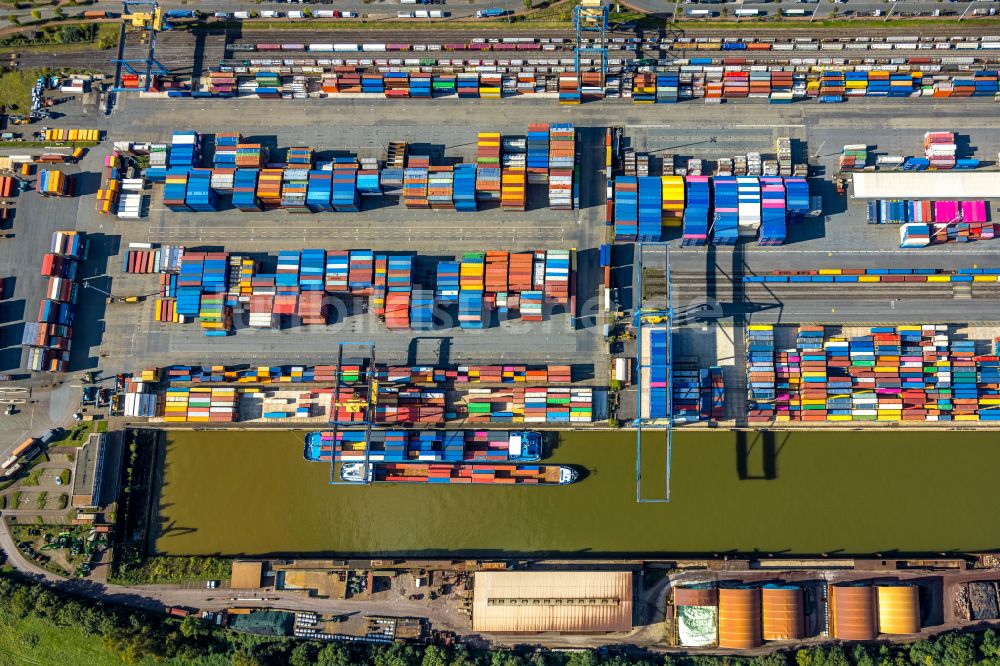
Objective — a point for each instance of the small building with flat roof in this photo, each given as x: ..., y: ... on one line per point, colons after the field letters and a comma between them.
x: 558, y: 601
x: 95, y: 472
x: 247, y: 575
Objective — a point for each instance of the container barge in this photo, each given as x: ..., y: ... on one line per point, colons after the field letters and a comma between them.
x: 539, y: 475
x: 424, y: 446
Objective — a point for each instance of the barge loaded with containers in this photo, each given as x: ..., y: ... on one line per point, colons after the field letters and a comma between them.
x: 537, y: 475
x: 399, y: 446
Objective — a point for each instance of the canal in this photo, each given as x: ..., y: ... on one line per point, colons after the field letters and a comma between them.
x: 840, y: 493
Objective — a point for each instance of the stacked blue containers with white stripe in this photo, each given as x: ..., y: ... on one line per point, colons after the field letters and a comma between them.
x: 185, y: 149
x: 650, y: 208
x: 422, y: 310
x: 447, y: 281
x: 726, y: 218
x: 796, y: 198
x: 658, y: 373
x: 287, y: 275
x: 471, y: 309
x: 986, y: 83
x: 420, y: 86
x: 695, y: 229
x: 200, y: 196
x: 626, y: 208
x: 225, y: 151
x: 468, y: 85
x: 772, y: 221
x: 312, y: 269
x: 748, y: 188
x: 464, y: 188
x: 667, y: 88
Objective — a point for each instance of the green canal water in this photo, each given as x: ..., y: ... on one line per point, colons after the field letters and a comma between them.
x: 251, y: 493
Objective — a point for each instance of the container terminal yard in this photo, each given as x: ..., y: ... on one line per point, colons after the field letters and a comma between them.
x: 731, y: 298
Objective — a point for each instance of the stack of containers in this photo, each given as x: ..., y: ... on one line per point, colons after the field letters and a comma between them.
x: 530, y: 305
x: 748, y: 188
x: 269, y: 187
x: 735, y: 84
x: 488, y: 184
x: 344, y: 194
x: 372, y: 84
x: 781, y: 87
x: 712, y: 402
x: 626, y: 208
x: 311, y: 270
x: 447, y: 281
x: 569, y: 88
x: 336, y: 273
x: 245, y: 190
x: 440, y: 188
x: 761, y: 377
x: 420, y: 85
x: 175, y: 189
x: 200, y: 197
x: 415, y: 179
x: 537, y: 145
x: 672, y: 199
x: 644, y: 88
x: 369, y: 182
x: 250, y: 155
x: 444, y: 85
x: 361, y: 272
x: 726, y: 219
x: 294, y: 188
x: 467, y: 84
x: 940, y: 149
x: 226, y: 144
x: 287, y: 282
x: 695, y: 225
x: 659, y: 371
x: 914, y: 235
x: 471, y: 304
x: 185, y: 149
x: 854, y: 157
x: 488, y: 148
x: 557, y: 278
x: 53, y: 183
x: 686, y: 401
x: 422, y: 310
x: 319, y: 193
x: 796, y: 198
x: 464, y: 188
x: 667, y: 87
x: 397, y: 84
x: 832, y: 86
x: 397, y: 310
x: 513, y: 189
x: 772, y: 227
x: 650, y: 205
x: 495, y: 275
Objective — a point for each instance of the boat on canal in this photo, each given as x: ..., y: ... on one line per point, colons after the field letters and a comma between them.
x: 537, y: 475
x: 406, y: 446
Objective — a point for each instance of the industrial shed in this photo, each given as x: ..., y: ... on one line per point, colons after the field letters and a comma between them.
x: 898, y: 609
x: 852, y: 612
x: 926, y: 185
x: 696, y: 614
x: 784, y: 613
x: 739, y: 618
x: 537, y: 601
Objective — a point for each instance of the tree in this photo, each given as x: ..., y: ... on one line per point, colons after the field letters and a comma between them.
x: 434, y: 656
x: 582, y: 659
x: 504, y: 658
x: 990, y: 647
x: 304, y: 654
x: 462, y: 657
x: 537, y: 659
x: 242, y: 658
x: 861, y: 657
x: 958, y: 649
x: 333, y: 654
x: 192, y: 627
x: 395, y: 655
x: 36, y: 14
x: 527, y: 5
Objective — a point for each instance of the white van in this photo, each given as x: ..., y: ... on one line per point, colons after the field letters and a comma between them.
x: 270, y: 13
x: 241, y: 15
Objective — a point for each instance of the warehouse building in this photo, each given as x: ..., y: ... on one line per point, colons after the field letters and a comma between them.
x: 898, y: 609
x: 784, y: 613
x: 696, y: 615
x: 95, y: 472
x: 247, y: 575
x: 739, y: 618
x: 851, y: 609
x: 560, y: 601
x: 926, y: 185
